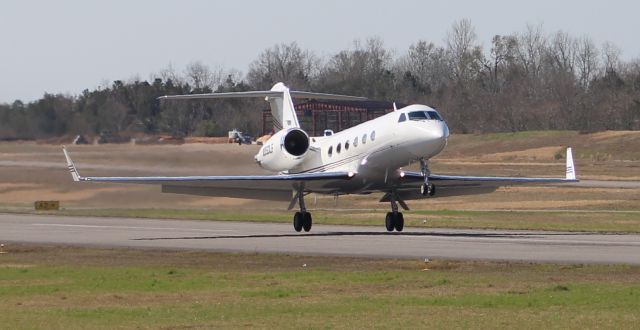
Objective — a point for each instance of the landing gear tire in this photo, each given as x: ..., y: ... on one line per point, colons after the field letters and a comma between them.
x: 399, y: 222
x: 298, y: 221
x: 307, y: 221
x: 389, y: 221
x: 428, y: 189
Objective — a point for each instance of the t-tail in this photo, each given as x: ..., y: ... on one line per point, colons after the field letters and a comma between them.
x: 280, y: 99
x: 283, y: 111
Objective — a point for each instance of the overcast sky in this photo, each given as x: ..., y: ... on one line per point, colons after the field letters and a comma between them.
x: 65, y: 46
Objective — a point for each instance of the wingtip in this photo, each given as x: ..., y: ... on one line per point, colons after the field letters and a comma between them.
x: 71, y: 166
x: 570, y: 166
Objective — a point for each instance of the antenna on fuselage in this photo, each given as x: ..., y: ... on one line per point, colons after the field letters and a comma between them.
x: 394, y: 107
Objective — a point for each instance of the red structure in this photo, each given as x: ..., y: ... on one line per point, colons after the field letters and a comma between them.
x: 316, y: 116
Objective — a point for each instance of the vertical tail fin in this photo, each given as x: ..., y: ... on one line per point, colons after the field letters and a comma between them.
x: 282, y: 110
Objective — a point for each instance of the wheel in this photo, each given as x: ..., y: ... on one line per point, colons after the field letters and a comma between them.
x: 424, y: 190
x: 399, y: 221
x: 428, y: 189
x: 388, y: 221
x: 306, y: 221
x: 297, y: 221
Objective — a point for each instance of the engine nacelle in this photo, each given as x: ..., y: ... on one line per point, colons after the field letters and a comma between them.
x: 283, y: 151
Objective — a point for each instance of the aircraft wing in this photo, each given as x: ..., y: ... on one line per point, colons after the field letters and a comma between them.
x: 267, y: 187
x: 455, y: 185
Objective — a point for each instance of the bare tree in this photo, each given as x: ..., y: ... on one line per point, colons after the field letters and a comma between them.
x: 501, y: 57
x: 611, y: 57
x: 283, y: 62
x: 532, y: 44
x: 587, y: 59
x: 562, y: 52
x: 168, y: 74
x: 202, y: 78
x: 364, y: 70
x: 427, y: 64
x: 465, y: 54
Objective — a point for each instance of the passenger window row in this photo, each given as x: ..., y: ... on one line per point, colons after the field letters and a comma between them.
x: 372, y: 136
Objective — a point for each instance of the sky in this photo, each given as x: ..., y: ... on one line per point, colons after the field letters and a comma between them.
x: 66, y: 46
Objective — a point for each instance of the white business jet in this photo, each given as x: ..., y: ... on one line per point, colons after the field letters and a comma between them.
x: 363, y: 159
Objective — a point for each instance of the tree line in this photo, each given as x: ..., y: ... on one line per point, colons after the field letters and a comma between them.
x: 528, y: 80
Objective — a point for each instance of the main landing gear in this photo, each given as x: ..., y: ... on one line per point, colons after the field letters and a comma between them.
x: 394, y: 219
x: 301, y: 220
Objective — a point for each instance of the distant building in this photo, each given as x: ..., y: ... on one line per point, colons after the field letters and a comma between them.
x: 315, y: 116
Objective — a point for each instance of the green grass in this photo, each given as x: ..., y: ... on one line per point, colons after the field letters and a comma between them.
x: 591, y: 221
x: 74, y: 288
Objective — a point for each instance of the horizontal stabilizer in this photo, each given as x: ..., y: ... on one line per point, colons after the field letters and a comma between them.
x: 294, y: 94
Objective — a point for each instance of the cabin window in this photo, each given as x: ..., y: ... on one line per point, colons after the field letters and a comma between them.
x: 330, y: 152
x: 373, y: 135
x: 364, y: 138
x: 346, y: 145
x: 402, y: 118
x: 339, y: 147
x: 355, y: 142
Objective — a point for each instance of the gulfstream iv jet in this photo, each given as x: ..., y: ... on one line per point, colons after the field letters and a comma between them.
x: 363, y: 159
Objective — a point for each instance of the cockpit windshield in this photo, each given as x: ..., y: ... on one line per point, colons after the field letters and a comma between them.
x: 418, y: 115
x: 434, y: 115
x: 424, y: 115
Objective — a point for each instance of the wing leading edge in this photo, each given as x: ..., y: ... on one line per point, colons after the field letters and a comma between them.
x: 453, y: 185
x: 271, y: 93
x: 267, y: 187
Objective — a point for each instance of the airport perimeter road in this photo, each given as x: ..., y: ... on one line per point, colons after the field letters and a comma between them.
x: 323, y: 240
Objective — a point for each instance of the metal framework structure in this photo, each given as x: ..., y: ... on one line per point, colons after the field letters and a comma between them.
x: 315, y: 116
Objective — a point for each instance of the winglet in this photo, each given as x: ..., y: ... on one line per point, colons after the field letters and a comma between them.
x: 72, y: 167
x: 571, y: 168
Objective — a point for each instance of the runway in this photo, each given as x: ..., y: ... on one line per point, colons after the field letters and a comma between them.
x: 357, y: 241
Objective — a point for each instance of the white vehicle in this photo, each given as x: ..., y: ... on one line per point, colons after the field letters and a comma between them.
x: 362, y: 159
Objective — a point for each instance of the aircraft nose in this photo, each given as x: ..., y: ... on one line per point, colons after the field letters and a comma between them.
x: 440, y: 131
x: 445, y: 130
x: 439, y: 134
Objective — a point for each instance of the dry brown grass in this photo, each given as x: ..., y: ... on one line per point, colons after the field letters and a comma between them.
x: 30, y: 171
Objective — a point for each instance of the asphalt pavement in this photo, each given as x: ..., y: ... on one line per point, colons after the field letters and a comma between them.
x: 356, y: 241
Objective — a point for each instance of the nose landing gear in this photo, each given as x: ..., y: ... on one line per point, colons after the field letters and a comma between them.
x: 426, y: 189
